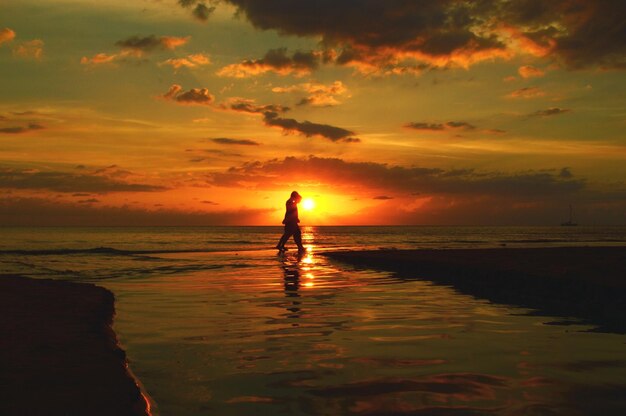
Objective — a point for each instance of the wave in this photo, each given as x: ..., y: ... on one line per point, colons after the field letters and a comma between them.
x: 109, y: 251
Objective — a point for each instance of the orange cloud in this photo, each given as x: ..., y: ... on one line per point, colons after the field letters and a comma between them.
x: 245, y: 105
x: 527, y: 92
x: 99, y: 59
x: 152, y: 42
x: 275, y: 60
x: 529, y: 71
x: 32, y: 49
x: 396, y: 180
x: 319, y: 95
x: 191, y: 61
x: 448, y: 33
x: 194, y: 96
x: 6, y: 35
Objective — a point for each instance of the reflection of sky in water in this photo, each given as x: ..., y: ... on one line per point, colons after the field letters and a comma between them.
x: 300, y: 335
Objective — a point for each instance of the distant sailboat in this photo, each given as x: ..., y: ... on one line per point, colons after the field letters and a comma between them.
x: 569, y: 222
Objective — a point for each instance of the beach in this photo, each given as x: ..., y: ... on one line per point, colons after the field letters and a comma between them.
x: 59, y: 355
x: 212, y: 321
x: 588, y: 283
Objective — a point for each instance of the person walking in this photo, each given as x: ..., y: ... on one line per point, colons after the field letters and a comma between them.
x: 291, y: 221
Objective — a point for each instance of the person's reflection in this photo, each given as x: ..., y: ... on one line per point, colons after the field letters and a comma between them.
x: 292, y: 280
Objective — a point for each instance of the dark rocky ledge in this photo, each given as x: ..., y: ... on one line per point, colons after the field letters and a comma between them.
x: 586, y: 283
x: 58, y: 353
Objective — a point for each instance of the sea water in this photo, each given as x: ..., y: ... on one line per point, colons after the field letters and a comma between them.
x: 216, y: 322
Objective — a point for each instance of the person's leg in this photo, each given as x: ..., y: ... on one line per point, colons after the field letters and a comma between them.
x: 297, y: 237
x: 283, y: 239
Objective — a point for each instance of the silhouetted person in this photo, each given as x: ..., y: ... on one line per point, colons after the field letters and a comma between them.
x: 291, y: 223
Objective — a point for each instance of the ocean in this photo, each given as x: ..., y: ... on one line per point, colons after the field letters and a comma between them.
x: 214, y: 321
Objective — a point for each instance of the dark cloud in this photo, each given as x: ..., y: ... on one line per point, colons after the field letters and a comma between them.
x: 578, y: 33
x: 21, y: 129
x: 383, y: 197
x: 275, y: 60
x: 151, y: 42
x: 199, y: 9
x: 228, y: 141
x: 69, y: 182
x: 249, y: 106
x: 462, y: 125
x: 397, y: 179
x: 202, y: 12
x: 527, y: 92
x: 308, y: 129
x: 41, y: 212
x: 425, y: 126
x: 566, y: 173
x: 194, y: 96
x: 553, y: 111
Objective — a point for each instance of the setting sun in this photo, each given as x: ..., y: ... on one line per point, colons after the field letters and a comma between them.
x: 308, y: 204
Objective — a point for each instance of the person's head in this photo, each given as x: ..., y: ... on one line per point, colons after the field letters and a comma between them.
x: 296, y: 196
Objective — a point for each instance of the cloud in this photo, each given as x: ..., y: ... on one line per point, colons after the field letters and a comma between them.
x: 191, y: 61
x: 319, y: 95
x: 382, y: 197
x: 450, y: 125
x: 202, y: 12
x: 42, y: 212
x: 21, y: 129
x: 135, y: 47
x: 566, y: 173
x: 308, y: 129
x: 194, y: 96
x: 69, y: 182
x: 199, y: 9
x: 392, y: 34
x: 32, y: 49
x: 227, y: 141
x: 394, y: 180
x: 245, y: 105
x: 99, y: 59
x: 527, y: 92
x: 270, y: 113
x: 275, y: 60
x: 529, y: 71
x: 6, y: 35
x: 549, y: 112
x: 151, y: 42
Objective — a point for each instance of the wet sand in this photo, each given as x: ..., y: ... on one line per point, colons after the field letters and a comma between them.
x: 58, y: 353
x: 585, y: 283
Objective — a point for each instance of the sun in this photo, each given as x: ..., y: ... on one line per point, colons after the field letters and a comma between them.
x: 308, y: 204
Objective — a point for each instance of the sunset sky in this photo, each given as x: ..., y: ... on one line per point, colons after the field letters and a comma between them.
x: 193, y: 112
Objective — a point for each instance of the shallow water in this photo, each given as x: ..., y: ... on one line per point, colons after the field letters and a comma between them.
x: 310, y: 337
x: 222, y: 331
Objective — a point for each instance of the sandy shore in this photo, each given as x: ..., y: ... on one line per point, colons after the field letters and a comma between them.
x: 586, y: 283
x: 58, y: 353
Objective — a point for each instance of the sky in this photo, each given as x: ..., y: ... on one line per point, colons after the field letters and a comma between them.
x: 421, y: 112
